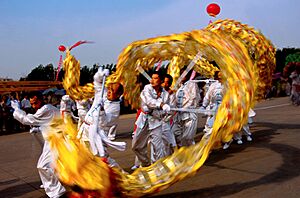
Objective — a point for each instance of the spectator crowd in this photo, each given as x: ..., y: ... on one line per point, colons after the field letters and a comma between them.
x: 7, y: 123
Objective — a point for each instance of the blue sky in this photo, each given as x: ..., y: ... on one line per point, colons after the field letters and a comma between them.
x: 31, y: 30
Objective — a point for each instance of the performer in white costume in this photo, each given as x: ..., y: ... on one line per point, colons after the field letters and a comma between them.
x: 185, y: 123
x: 83, y: 107
x: 295, y: 92
x: 154, y: 104
x: 42, y: 118
x: 245, y: 131
x: 103, y: 115
x: 66, y: 107
x: 168, y: 80
x: 142, y: 133
x: 140, y: 139
x: 168, y: 135
x: 212, y: 101
x: 246, y: 128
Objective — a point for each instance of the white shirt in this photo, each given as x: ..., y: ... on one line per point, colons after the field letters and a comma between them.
x: 150, y: 100
x: 67, y: 104
x: 187, y: 96
x: 41, y: 118
x: 213, y: 96
x: 83, y: 105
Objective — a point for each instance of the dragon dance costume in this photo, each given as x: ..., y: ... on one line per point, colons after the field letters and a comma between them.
x: 246, y: 59
x: 212, y: 101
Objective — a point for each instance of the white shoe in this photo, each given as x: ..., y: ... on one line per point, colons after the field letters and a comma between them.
x: 239, y: 142
x: 249, y: 138
x: 42, y: 186
x: 111, y: 138
x: 134, y: 167
x: 226, y: 146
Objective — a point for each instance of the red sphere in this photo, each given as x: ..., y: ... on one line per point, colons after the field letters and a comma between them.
x: 62, y: 48
x: 213, y: 9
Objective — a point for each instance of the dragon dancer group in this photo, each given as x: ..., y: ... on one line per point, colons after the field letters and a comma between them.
x: 75, y: 151
x: 167, y: 120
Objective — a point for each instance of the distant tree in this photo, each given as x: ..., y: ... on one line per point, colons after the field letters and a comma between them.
x: 292, y: 58
x: 281, y: 55
x: 43, y: 73
x: 61, y: 75
x: 94, y: 69
x: 111, y: 67
x: 85, y: 75
x: 49, y: 72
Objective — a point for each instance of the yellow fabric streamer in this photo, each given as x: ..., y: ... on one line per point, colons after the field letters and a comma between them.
x: 76, y: 165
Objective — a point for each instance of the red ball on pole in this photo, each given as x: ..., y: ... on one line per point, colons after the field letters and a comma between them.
x: 213, y: 9
x: 62, y: 48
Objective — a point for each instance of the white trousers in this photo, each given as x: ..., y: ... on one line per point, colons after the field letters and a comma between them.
x: 140, y: 143
x: 52, y: 186
x: 158, y: 149
x: 208, y: 127
x: 112, y: 132
x: 245, y: 131
x: 168, y: 138
x: 184, y: 130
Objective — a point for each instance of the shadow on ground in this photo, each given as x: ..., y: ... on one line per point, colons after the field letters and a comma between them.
x: 289, y: 168
x: 19, y: 190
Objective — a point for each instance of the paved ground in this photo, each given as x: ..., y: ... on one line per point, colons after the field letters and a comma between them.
x: 267, y: 167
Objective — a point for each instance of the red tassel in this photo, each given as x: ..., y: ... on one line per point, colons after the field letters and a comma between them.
x: 58, y: 67
x: 79, y: 43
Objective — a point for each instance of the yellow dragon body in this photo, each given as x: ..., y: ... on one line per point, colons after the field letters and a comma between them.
x: 246, y: 59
